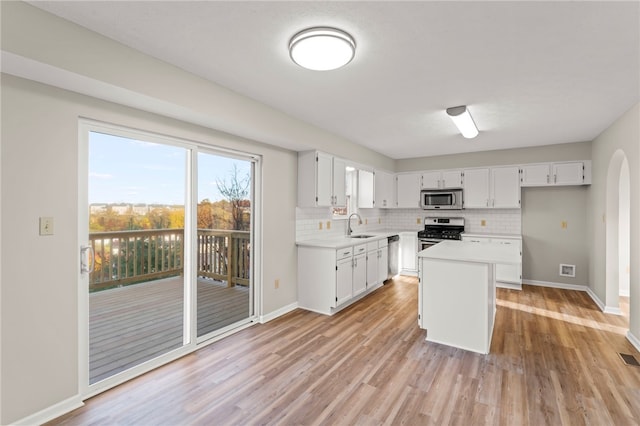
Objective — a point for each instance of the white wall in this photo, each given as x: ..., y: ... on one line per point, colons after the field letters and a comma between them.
x: 38, y: 310
x: 39, y: 278
x: 624, y: 136
x: 624, y: 231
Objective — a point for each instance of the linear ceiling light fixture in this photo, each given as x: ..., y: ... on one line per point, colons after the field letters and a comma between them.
x: 461, y: 117
x: 322, y: 48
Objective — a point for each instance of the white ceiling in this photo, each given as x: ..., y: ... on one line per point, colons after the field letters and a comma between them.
x: 532, y: 73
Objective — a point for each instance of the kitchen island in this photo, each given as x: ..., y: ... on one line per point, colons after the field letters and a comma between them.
x: 457, y: 295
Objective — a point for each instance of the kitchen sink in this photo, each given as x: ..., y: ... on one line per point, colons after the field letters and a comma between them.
x: 360, y: 236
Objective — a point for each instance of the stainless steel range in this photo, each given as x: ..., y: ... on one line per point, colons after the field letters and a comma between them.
x: 438, y: 229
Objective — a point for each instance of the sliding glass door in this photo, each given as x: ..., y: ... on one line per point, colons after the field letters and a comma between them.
x: 170, y: 229
x: 224, y: 215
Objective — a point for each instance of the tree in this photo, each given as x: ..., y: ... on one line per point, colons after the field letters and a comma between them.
x: 236, y: 192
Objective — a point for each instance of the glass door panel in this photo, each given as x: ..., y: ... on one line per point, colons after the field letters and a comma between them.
x: 136, y: 229
x: 224, y: 215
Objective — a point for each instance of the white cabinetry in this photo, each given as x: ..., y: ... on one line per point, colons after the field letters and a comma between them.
x: 442, y: 179
x: 377, y: 262
x: 507, y: 276
x: 344, y: 281
x: 321, y: 180
x: 383, y: 263
x: 408, y: 253
x: 505, y: 187
x: 384, y: 190
x: 330, y: 279
x: 408, y: 190
x: 359, y: 274
x: 550, y: 174
x: 476, y: 188
x: 366, y: 189
x: 497, y: 187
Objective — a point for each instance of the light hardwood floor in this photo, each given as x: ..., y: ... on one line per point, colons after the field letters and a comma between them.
x: 554, y: 360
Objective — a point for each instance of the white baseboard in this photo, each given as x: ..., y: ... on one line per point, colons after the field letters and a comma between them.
x: 613, y: 310
x: 634, y: 340
x: 596, y: 299
x: 278, y: 313
x: 510, y: 286
x: 551, y: 284
x: 52, y: 412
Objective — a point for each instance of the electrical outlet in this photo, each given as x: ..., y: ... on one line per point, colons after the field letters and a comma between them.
x: 276, y: 284
x: 563, y: 224
x: 418, y: 221
x: 328, y: 224
x: 483, y: 222
x: 379, y: 220
x: 320, y: 226
x: 46, y: 226
x: 366, y: 221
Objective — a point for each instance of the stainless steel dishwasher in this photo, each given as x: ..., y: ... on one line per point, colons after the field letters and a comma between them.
x: 394, y: 255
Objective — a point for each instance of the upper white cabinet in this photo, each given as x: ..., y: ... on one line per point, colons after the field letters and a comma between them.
x: 497, y: 187
x: 384, y: 190
x: 321, y: 180
x: 441, y: 179
x: 365, y: 189
x: 568, y: 173
x: 476, y: 188
x: 505, y: 187
x: 408, y: 190
x: 548, y: 174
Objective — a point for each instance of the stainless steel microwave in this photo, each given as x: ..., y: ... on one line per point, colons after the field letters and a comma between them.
x: 441, y: 199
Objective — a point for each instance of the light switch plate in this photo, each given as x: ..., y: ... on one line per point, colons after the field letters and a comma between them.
x: 46, y: 226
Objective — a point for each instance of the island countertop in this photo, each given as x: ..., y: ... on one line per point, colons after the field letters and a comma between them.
x: 465, y: 251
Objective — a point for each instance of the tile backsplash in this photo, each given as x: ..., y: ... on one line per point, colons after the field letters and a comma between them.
x: 313, y: 223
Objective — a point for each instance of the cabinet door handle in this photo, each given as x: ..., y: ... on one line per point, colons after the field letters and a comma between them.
x: 555, y: 178
x: 487, y: 202
x: 547, y: 178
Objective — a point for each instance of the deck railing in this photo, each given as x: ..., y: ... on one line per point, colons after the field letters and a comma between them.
x: 128, y: 257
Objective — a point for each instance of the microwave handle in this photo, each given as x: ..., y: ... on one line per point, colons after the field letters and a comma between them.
x: 453, y: 198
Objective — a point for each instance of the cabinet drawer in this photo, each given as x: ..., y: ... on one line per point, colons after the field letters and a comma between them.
x: 372, y: 246
x: 383, y: 243
x: 359, y: 249
x: 344, y: 253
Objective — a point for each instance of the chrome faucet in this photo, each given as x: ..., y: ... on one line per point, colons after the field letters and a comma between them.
x: 349, y: 230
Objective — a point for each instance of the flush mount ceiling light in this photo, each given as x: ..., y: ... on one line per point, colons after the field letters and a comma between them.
x: 461, y: 117
x: 322, y: 48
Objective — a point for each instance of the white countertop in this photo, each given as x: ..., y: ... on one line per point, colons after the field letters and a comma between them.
x: 488, y: 235
x: 465, y: 251
x: 344, y: 241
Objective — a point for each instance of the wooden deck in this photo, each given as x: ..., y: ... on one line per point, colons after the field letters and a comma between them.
x: 133, y: 324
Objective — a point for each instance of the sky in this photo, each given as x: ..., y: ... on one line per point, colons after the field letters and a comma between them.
x: 124, y: 170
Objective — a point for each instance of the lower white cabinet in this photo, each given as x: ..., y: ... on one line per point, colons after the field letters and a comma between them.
x: 377, y: 262
x: 409, y: 253
x: 359, y: 274
x: 507, y: 276
x: 344, y: 281
x: 330, y: 279
x: 383, y: 264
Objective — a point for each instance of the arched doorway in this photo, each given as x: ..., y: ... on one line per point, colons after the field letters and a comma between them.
x: 618, y: 222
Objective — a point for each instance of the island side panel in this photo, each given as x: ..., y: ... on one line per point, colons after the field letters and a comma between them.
x: 456, y: 303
